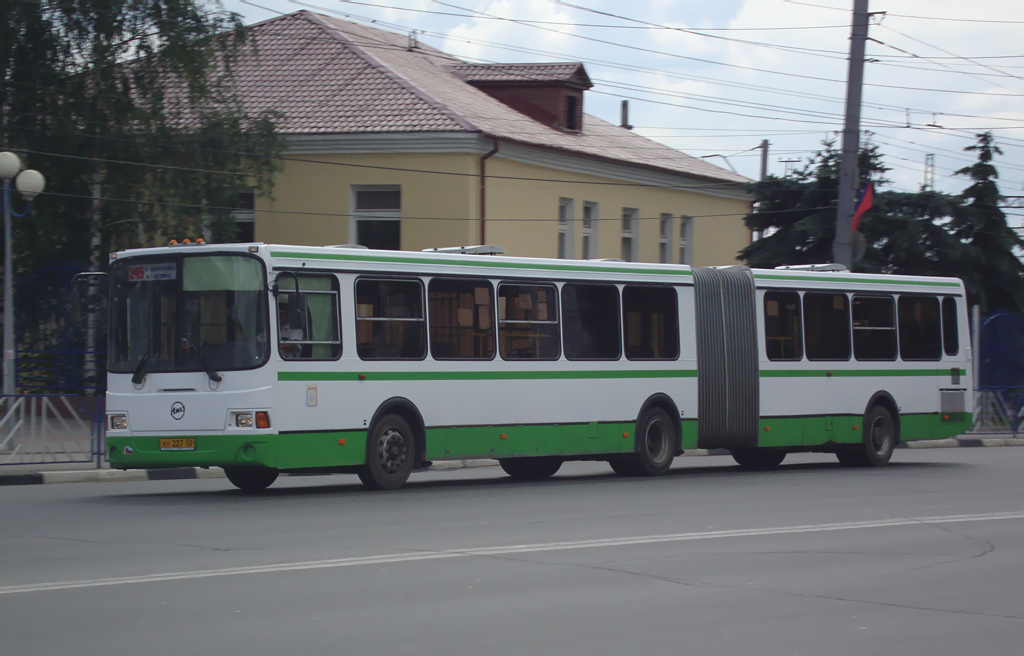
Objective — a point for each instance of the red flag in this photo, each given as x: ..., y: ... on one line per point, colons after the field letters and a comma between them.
x: 867, y: 199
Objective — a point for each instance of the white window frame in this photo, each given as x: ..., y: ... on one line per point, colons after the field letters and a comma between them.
x: 566, y: 243
x: 630, y: 234
x: 356, y: 215
x: 665, y: 238
x: 685, y: 239
x: 589, y: 230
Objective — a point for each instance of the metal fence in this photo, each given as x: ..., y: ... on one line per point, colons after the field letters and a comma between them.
x: 51, y: 428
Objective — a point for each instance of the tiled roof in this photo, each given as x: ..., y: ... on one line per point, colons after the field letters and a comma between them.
x: 329, y: 76
x: 563, y: 73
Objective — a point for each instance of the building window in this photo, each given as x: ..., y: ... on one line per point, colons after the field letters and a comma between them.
x: 665, y: 238
x: 572, y: 105
x: 565, y: 236
x: 589, y: 230
x: 376, y: 220
x: 389, y: 320
x: 630, y: 228
x: 782, y: 326
x: 686, y: 240
x: 527, y: 322
x: 244, y: 216
x: 461, y: 319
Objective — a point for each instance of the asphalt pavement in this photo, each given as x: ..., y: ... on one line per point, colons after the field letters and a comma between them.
x: 918, y: 558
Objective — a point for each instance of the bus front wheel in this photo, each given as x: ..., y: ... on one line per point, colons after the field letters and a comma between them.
x: 655, y: 446
x: 530, y: 469
x: 390, y: 454
x: 877, y: 443
x: 251, y: 479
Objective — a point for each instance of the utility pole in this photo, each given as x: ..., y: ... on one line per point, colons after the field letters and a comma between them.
x: 764, y: 159
x: 842, y: 245
x: 929, y: 171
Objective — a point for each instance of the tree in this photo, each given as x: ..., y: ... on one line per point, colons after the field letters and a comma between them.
x: 129, y: 109
x: 797, y: 213
x: 996, y: 270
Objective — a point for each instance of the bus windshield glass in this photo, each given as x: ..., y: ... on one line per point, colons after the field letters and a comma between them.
x: 188, y: 313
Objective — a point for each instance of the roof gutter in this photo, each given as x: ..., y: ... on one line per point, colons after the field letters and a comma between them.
x: 483, y: 190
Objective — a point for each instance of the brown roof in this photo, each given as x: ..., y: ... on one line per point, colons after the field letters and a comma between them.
x: 329, y: 76
x: 556, y: 73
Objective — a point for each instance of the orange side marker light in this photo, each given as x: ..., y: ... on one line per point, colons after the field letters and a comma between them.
x: 625, y: 435
x: 503, y: 436
x: 341, y: 442
x: 262, y: 419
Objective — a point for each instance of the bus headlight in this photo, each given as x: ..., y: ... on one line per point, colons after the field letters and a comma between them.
x: 118, y: 422
x: 243, y: 420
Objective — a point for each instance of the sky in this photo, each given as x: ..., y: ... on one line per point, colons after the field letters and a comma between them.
x: 713, y: 79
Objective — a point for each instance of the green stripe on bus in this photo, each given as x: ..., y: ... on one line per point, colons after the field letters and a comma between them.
x: 845, y: 279
x: 314, y: 376
x: 855, y: 373
x: 482, y: 262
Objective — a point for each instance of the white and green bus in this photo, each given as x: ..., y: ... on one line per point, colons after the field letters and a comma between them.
x: 269, y: 358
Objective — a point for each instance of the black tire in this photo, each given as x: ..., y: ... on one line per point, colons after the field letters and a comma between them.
x: 530, y: 469
x: 390, y: 454
x: 251, y: 479
x: 758, y: 458
x: 878, y: 441
x: 656, y: 442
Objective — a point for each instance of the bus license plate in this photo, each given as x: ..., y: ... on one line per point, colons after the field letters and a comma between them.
x: 177, y: 444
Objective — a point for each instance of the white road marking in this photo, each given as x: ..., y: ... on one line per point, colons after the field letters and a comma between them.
x: 506, y: 550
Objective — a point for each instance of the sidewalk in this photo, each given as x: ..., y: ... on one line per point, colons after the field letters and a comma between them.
x: 81, y: 473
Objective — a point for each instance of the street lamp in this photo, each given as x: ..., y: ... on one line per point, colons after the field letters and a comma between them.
x: 30, y: 183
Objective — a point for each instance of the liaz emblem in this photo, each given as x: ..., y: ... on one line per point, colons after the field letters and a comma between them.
x: 178, y: 410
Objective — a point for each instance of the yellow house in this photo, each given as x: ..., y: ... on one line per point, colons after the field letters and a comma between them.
x: 393, y: 144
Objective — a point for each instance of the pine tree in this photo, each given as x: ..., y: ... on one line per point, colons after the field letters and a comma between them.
x: 996, y: 270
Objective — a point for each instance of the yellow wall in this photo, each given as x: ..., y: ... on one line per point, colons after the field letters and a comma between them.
x: 317, y: 184
x: 521, y: 212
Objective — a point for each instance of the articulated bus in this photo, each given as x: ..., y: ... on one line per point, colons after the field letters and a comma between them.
x: 263, y: 359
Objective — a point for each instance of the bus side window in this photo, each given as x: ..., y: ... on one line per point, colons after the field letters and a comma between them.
x: 527, y: 322
x: 309, y: 328
x: 390, y: 323
x: 782, y: 326
x: 650, y: 322
x: 920, y: 328
x: 590, y: 320
x: 874, y: 327
x: 827, y: 326
x: 950, y: 328
x: 461, y: 319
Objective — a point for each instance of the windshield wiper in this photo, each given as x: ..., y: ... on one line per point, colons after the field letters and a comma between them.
x: 140, y: 369
x: 214, y: 376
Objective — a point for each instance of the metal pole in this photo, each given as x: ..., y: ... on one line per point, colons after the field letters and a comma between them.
x: 842, y: 245
x: 8, y: 367
x: 764, y: 159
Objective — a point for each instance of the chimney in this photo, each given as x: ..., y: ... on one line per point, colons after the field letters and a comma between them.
x: 624, y: 122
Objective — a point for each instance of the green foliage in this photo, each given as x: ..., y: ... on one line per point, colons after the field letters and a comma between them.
x: 924, y: 233
x: 134, y: 98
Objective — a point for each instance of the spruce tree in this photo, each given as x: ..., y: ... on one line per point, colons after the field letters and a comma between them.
x: 995, y: 267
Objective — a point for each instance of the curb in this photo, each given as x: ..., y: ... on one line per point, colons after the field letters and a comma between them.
x: 182, y: 473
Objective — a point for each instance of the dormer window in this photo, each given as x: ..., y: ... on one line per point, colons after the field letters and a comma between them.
x: 551, y: 94
x: 571, y: 109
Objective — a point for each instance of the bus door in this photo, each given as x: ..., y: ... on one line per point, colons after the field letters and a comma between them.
x: 728, y: 388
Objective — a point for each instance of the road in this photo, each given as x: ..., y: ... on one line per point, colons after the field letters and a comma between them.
x: 923, y: 557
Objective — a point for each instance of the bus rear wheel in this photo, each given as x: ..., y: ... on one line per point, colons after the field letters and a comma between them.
x: 655, y: 446
x: 390, y: 455
x: 251, y: 479
x: 877, y: 443
x: 530, y: 469
x: 758, y: 458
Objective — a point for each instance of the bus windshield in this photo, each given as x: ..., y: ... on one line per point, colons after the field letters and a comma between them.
x: 188, y: 313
